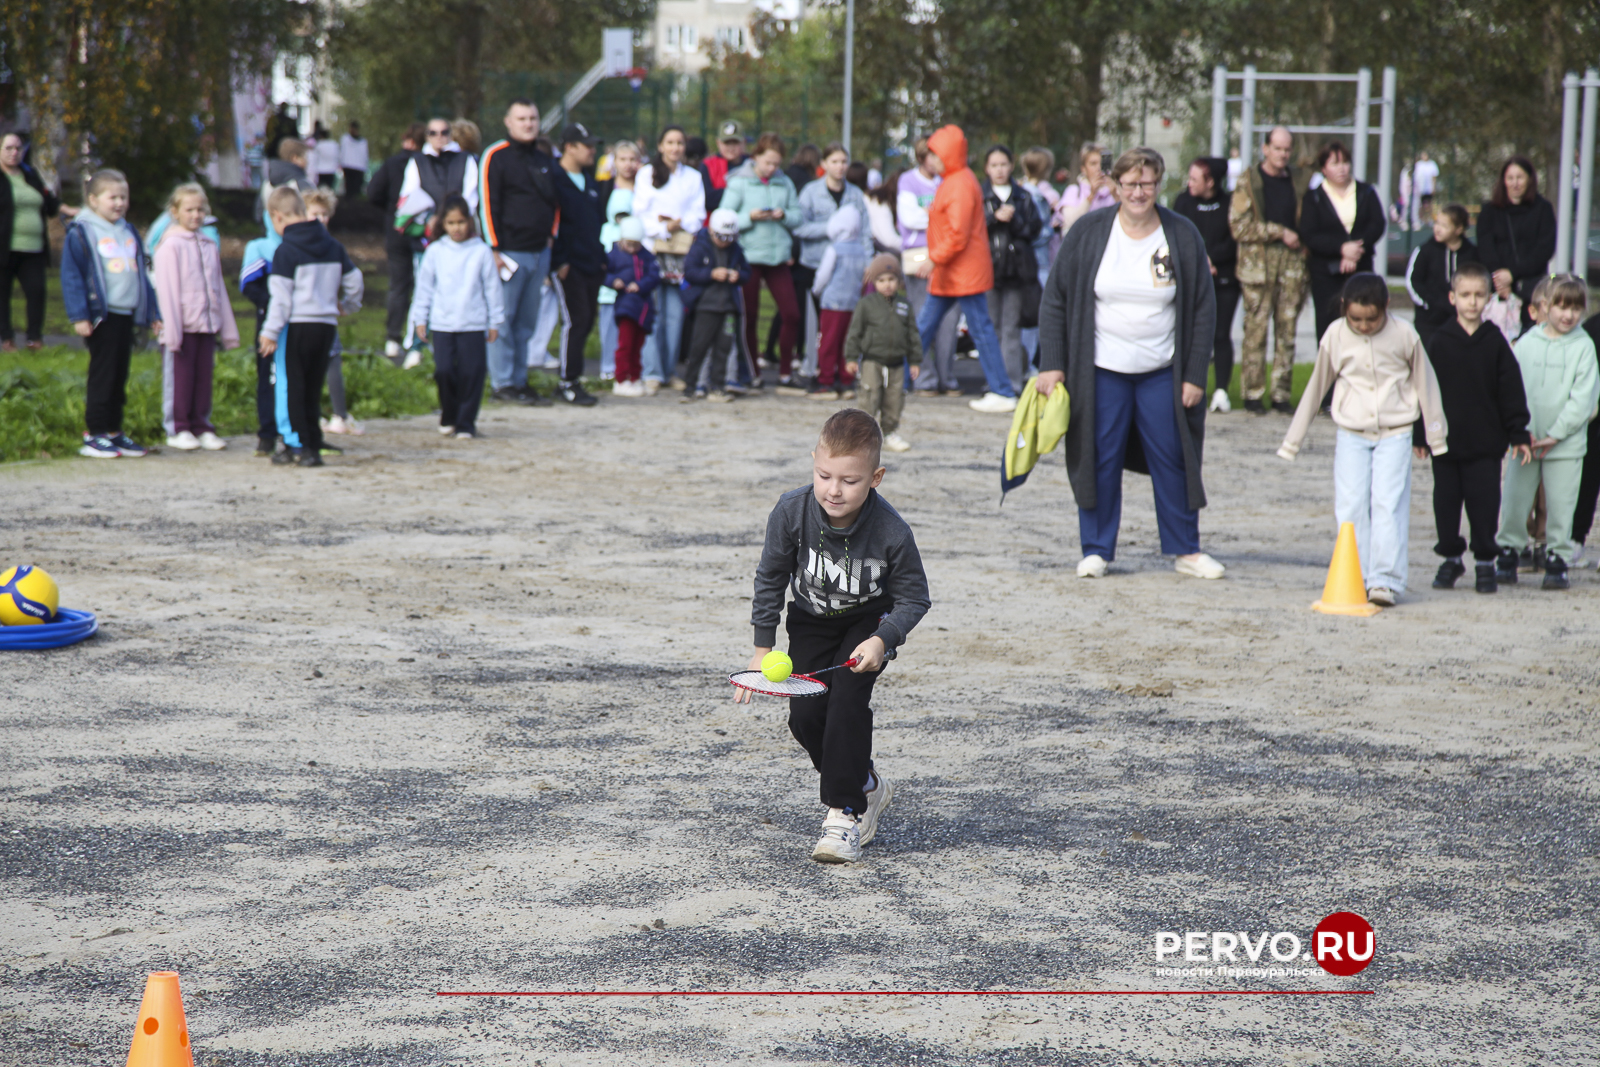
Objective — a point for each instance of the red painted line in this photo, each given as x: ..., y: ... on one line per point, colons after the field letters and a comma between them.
x: 916, y: 993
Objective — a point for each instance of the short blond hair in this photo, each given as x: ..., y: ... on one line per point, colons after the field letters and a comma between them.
x: 286, y: 200
x: 321, y: 198
x: 1138, y: 159
x: 182, y: 192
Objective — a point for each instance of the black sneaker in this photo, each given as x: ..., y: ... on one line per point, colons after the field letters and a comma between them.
x: 287, y: 457
x: 1539, y: 557
x: 506, y: 395
x: 574, y: 393
x: 265, y: 448
x: 1283, y: 407
x: 1505, y: 567
x: 127, y: 447
x: 1449, y: 571
x: 1255, y: 407
x: 1485, y: 578
x: 1525, y: 559
x: 309, y: 459
x: 529, y: 395
x: 1555, y: 574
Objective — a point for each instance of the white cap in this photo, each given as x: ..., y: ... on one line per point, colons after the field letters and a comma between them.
x: 630, y: 229
x: 724, y: 223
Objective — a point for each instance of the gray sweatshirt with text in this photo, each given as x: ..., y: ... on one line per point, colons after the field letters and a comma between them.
x: 871, y: 566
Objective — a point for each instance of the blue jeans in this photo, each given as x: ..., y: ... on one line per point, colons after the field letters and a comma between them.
x: 1372, y: 490
x: 1143, y: 402
x: 608, y: 340
x: 508, y: 357
x: 975, y: 307
x: 661, y: 357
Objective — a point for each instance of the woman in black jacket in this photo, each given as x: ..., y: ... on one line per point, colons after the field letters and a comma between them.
x: 1013, y: 223
x: 1517, y: 233
x: 1341, y: 225
x: 1205, y: 203
x: 24, y: 248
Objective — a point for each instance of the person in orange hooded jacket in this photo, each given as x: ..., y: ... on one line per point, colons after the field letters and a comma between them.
x: 962, y: 273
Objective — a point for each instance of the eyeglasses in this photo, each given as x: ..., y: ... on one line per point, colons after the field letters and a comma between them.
x: 1135, y: 187
x: 439, y: 133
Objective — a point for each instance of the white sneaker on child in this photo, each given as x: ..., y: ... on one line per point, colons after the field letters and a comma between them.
x: 1092, y: 566
x: 413, y: 359
x: 841, y: 838
x: 185, y: 441
x: 211, y: 442
x: 877, y: 800
x: 1220, y: 402
x: 447, y: 431
x: 895, y: 443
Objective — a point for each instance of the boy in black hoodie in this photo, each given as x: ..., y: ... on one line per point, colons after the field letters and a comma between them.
x: 312, y: 283
x: 1486, y: 409
x: 1205, y: 203
x: 1434, y: 265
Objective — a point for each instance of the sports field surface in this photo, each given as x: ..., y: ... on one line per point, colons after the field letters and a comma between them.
x: 452, y: 716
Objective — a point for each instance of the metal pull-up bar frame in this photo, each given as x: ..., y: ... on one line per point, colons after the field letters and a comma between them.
x: 1358, y: 131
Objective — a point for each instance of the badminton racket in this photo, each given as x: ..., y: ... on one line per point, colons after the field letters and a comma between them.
x: 796, y: 685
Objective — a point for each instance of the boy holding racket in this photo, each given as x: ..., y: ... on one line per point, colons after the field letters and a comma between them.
x: 853, y: 567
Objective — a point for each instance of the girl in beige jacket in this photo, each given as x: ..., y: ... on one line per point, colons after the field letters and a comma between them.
x: 1384, y: 392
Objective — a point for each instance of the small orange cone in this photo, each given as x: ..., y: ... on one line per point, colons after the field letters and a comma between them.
x: 1345, y: 593
x: 161, y: 1038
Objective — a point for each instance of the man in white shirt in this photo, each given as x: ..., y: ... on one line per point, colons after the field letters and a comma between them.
x: 353, y: 160
x: 1424, y: 180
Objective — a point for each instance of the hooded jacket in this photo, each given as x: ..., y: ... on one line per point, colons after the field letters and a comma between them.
x: 1428, y: 281
x: 458, y: 288
x: 697, y: 268
x: 958, y: 239
x: 83, y: 281
x: 1481, y: 386
x: 838, y: 281
x: 189, y: 289
x: 641, y: 267
x: 1210, y: 216
x: 871, y: 567
x: 766, y: 243
x: 884, y: 330
x: 312, y: 280
x: 1011, y: 253
x: 816, y: 208
x: 1560, y: 377
x: 1381, y: 384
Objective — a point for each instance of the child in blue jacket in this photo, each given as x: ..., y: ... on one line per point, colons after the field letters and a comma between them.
x: 633, y: 274
x: 713, y: 306
x: 107, y: 291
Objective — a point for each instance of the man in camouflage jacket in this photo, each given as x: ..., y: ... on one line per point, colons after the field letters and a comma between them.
x: 1272, y: 267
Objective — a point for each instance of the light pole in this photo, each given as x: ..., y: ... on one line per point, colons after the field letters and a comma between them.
x: 849, y: 65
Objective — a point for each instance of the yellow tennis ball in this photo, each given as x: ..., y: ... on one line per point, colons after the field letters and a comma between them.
x: 29, y: 596
x: 776, y: 666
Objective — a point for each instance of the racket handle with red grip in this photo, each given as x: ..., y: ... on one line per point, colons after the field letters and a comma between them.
x: 888, y: 653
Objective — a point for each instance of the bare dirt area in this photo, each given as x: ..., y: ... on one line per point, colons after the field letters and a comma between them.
x: 451, y: 716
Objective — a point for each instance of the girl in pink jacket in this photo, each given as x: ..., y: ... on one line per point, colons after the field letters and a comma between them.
x: 195, y: 315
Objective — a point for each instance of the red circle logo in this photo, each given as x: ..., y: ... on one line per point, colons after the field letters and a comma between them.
x: 1343, y: 944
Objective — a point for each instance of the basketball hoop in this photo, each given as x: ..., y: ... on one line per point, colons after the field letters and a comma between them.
x: 636, y: 77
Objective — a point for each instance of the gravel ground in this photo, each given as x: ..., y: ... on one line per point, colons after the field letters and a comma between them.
x: 448, y: 716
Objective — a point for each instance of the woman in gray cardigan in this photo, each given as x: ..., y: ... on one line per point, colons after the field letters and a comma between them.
x: 1126, y: 323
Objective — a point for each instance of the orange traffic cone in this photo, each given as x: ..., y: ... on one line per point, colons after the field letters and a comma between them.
x: 161, y: 1038
x: 1345, y: 593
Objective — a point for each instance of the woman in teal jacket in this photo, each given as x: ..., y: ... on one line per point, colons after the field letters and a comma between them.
x: 768, y: 208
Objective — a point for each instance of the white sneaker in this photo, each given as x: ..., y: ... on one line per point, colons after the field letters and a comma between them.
x: 1581, y: 558
x: 651, y: 388
x: 841, y: 838
x: 184, y: 440
x: 392, y: 349
x: 1091, y: 567
x: 628, y: 389
x: 211, y: 442
x: 1381, y: 596
x: 994, y: 404
x: 1202, y: 566
x: 877, y: 800
x: 895, y: 443
x: 446, y: 431
x: 1219, y: 401
x: 464, y: 435
x: 413, y: 359
x: 336, y: 425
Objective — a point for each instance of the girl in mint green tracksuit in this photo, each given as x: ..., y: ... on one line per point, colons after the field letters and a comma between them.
x: 1559, y: 375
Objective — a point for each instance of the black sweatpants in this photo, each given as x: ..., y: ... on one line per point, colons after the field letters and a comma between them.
x: 1228, y: 294
x: 713, y: 333
x: 110, y: 349
x: 1588, y: 487
x: 1475, y: 483
x: 28, y: 268
x: 835, y: 728
x: 397, y: 249
x: 460, y: 365
x: 581, y: 293
x: 266, y: 396
x: 305, y: 362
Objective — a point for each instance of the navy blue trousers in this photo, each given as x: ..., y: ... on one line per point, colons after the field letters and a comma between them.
x: 1143, y: 402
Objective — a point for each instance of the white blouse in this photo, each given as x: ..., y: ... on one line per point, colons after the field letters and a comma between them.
x: 683, y: 197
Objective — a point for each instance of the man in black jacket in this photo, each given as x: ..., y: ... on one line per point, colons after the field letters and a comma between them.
x: 384, y: 191
x: 520, y: 199
x: 579, y: 258
x: 1205, y: 203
